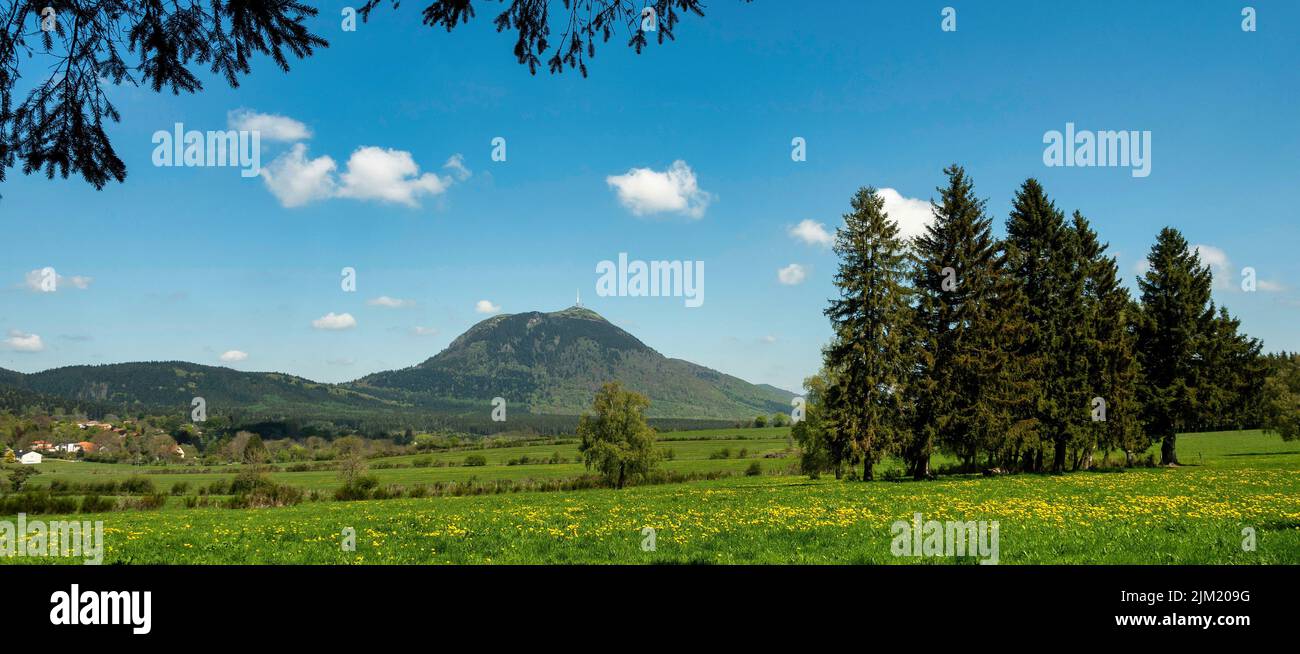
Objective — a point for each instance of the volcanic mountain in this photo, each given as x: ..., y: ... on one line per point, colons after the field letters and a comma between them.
x: 540, y: 363
x: 553, y: 363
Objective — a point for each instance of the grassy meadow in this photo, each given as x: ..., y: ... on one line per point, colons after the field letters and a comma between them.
x: 691, y: 453
x: 1192, y: 514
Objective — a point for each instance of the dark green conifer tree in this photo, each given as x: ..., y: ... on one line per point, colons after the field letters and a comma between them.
x: 1042, y: 254
x: 1176, y: 319
x: 961, y: 299
x: 871, y: 353
x: 1113, y: 371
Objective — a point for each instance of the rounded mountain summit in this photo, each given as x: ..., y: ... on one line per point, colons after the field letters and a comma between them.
x: 554, y: 362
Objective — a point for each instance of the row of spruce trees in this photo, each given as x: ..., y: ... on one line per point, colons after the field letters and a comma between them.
x: 1024, y: 353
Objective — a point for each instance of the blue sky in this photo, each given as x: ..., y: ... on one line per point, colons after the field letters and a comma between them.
x: 192, y: 263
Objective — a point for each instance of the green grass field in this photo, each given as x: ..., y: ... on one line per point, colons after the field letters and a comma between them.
x: 1192, y: 514
x: 689, y: 456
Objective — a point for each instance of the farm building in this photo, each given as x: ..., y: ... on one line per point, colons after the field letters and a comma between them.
x: 30, y: 458
x: 73, y: 448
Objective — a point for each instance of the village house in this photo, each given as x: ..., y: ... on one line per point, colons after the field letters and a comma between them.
x: 29, y: 458
x: 43, y: 446
x: 82, y: 446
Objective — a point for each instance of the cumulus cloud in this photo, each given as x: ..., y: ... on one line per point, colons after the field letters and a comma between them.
x: 295, y: 180
x: 390, y: 302
x: 486, y: 306
x: 23, y: 342
x: 371, y: 173
x: 644, y: 191
x: 911, y: 214
x: 388, y: 176
x: 768, y: 340
x: 273, y: 127
x: 792, y: 274
x: 424, y: 331
x: 46, y: 280
x: 812, y: 233
x: 335, y: 321
x: 234, y: 356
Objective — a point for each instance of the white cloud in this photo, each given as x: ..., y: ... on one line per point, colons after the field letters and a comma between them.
x: 273, y: 127
x: 233, y: 356
x: 371, y: 173
x: 1270, y: 287
x: 792, y: 274
x: 812, y: 233
x: 911, y: 214
x: 485, y: 306
x: 335, y: 321
x: 768, y: 340
x: 343, y: 361
x: 37, y: 281
x: 296, y: 180
x: 456, y: 164
x: 388, y: 176
x: 645, y: 191
x: 424, y: 331
x: 24, y: 342
x: 390, y: 302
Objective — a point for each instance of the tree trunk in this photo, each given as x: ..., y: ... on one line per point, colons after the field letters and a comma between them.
x: 921, y: 468
x: 622, y: 471
x: 866, y: 468
x: 1168, y: 455
x: 1058, y: 457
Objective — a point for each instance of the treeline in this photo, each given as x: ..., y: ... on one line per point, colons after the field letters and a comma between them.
x: 20, y: 401
x: 401, y: 431
x: 1022, y: 353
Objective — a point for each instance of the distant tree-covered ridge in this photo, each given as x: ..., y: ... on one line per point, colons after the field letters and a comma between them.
x: 542, y: 364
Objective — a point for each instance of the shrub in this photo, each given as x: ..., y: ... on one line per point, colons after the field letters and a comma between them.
x: 34, y: 502
x: 266, y: 493
x: 136, y: 485
x: 359, y: 488
x: 145, y: 502
x: 475, y: 460
x: 755, y: 469
x: 97, y: 504
x: 180, y: 488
